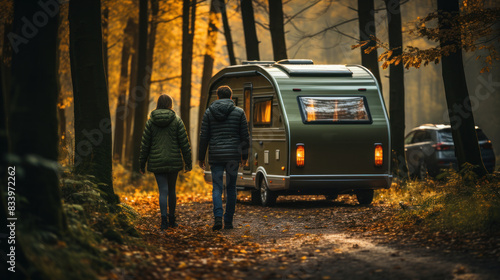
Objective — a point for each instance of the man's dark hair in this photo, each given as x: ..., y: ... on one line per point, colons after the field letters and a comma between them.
x: 224, y: 92
x: 164, y: 102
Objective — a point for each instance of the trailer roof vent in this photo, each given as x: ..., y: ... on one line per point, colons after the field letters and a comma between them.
x: 252, y: 62
x: 306, y: 70
x: 295, y: 61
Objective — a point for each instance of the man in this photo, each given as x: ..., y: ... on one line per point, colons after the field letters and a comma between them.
x: 224, y: 131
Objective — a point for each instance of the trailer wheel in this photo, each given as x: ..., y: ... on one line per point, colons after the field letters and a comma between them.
x: 256, y: 199
x: 365, y: 197
x: 267, y: 197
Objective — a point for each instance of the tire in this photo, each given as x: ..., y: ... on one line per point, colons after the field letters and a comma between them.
x: 331, y: 196
x: 256, y: 199
x: 267, y: 197
x: 365, y: 197
x: 423, y: 171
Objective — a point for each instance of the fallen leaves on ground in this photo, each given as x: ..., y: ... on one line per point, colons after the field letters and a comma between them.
x: 283, y: 242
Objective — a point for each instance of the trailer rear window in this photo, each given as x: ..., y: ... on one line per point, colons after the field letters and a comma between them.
x: 334, y: 109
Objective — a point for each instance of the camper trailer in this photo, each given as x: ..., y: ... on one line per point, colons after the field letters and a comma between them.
x: 314, y: 129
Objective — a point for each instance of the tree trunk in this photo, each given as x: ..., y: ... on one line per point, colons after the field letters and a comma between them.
x: 366, y: 19
x: 92, y: 117
x: 209, y: 56
x: 189, y: 12
x: 5, y: 61
x: 457, y: 96
x: 61, y: 110
x: 105, y: 36
x: 277, y: 29
x: 144, y: 72
x: 131, y: 104
x: 120, y: 112
x: 396, y: 90
x: 227, y: 33
x: 251, y: 41
x: 3, y: 122
x: 142, y: 87
x: 155, y: 8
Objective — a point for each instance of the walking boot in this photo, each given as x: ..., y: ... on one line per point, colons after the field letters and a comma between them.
x: 228, y: 225
x: 164, y: 223
x: 217, y: 223
x: 171, y: 221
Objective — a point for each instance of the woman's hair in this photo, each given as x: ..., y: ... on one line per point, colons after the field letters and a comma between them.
x: 164, y: 102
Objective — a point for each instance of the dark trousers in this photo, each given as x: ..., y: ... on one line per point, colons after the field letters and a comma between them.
x: 218, y: 169
x: 166, y: 186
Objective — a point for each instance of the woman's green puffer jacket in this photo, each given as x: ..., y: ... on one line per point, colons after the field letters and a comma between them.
x: 165, y: 143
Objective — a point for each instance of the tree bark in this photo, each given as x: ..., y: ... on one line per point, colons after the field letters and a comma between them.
x: 142, y: 87
x: 131, y: 104
x: 92, y: 117
x: 366, y: 19
x: 457, y: 96
x: 209, y: 57
x: 120, y: 112
x: 5, y: 61
x: 277, y: 29
x: 188, y: 24
x: 227, y: 33
x: 396, y: 90
x: 105, y: 36
x: 251, y: 41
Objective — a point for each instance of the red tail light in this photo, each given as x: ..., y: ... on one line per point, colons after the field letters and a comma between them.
x: 300, y: 155
x: 442, y: 147
x: 379, y: 155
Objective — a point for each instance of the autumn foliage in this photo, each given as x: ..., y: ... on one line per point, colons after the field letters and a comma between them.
x: 473, y: 28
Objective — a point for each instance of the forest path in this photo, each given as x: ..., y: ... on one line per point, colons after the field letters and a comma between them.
x: 300, y: 238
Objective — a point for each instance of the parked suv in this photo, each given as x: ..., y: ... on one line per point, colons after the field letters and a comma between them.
x: 430, y: 149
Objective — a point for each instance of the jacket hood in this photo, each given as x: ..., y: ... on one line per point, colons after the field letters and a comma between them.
x: 221, y: 108
x: 162, y: 117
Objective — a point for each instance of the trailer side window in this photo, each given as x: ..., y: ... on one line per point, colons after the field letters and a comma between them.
x: 262, y: 111
x: 334, y: 109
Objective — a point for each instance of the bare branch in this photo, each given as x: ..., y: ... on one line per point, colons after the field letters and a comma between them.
x: 166, y: 79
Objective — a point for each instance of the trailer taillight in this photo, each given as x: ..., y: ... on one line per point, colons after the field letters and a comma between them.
x: 379, y: 155
x: 301, y: 154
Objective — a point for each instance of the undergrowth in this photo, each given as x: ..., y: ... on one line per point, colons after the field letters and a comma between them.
x: 80, y: 252
x: 458, y: 202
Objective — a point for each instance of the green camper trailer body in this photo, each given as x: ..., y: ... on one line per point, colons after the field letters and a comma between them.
x: 338, y: 154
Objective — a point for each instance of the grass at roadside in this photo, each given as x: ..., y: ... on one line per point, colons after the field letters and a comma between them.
x: 458, y: 202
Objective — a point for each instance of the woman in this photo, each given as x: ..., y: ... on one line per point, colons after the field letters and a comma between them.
x: 165, y: 145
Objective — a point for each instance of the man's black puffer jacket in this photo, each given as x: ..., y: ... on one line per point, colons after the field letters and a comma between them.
x: 224, y: 131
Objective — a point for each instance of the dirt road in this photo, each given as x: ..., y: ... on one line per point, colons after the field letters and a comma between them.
x: 297, y: 239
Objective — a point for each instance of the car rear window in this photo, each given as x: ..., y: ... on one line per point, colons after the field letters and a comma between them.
x: 334, y: 109
x: 446, y: 136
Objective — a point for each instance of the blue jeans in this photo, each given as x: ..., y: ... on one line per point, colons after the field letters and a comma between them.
x: 231, y: 175
x: 166, y: 186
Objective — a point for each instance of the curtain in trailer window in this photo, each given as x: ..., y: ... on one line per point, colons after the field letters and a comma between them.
x: 262, y: 111
x: 334, y: 109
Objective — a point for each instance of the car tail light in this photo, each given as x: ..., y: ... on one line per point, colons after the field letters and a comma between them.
x: 301, y: 154
x: 442, y: 147
x: 379, y: 155
x: 487, y: 145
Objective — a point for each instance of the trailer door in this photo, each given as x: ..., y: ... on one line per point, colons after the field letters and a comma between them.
x: 247, y: 99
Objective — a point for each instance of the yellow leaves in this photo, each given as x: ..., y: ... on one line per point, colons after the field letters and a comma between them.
x: 485, y: 69
x: 181, y: 265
